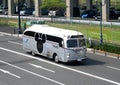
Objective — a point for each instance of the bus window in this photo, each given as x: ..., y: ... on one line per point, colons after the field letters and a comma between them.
x: 43, y: 38
x: 61, y: 44
x: 72, y: 43
x: 36, y: 36
x: 82, y: 42
x: 55, y: 39
x: 29, y: 33
x: 77, y: 36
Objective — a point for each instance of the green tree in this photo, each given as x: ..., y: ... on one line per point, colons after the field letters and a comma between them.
x: 53, y: 4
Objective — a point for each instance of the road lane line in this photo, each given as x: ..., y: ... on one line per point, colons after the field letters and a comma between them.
x: 7, y: 72
x: 37, y: 66
x: 1, y: 34
x: 113, y: 68
x: 74, y: 70
x: 32, y: 73
x: 15, y: 43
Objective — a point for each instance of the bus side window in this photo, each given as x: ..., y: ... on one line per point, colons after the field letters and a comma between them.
x: 36, y: 36
x: 43, y: 38
x: 55, y: 39
x: 61, y: 43
x: 29, y: 33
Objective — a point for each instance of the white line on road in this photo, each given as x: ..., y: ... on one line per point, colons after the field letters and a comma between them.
x: 74, y: 70
x: 15, y: 43
x: 113, y: 68
x: 37, y: 66
x: 31, y: 73
x: 7, y: 72
x: 1, y: 35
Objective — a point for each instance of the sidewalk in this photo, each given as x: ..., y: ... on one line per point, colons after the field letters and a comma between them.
x: 103, y: 53
x: 9, y: 31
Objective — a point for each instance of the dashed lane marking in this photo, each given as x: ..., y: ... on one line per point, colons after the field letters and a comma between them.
x: 7, y: 72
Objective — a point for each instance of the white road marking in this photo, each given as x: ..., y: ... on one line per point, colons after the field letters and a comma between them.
x: 1, y: 35
x: 7, y: 72
x: 31, y: 72
x: 113, y: 68
x: 74, y: 70
x: 15, y: 43
x: 37, y: 66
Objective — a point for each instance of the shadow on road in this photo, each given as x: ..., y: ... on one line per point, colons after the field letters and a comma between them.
x: 88, y: 62
x: 17, y: 62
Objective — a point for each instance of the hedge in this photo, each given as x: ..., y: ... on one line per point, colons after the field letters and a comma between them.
x: 108, y: 47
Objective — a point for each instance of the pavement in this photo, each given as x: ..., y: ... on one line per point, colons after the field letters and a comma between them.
x: 5, y: 30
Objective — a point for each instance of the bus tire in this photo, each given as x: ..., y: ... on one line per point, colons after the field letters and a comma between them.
x: 56, y: 58
x: 33, y: 53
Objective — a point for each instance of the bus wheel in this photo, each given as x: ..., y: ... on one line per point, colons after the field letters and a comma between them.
x: 33, y: 53
x: 56, y: 59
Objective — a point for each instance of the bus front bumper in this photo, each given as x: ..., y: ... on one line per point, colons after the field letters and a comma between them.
x: 78, y: 60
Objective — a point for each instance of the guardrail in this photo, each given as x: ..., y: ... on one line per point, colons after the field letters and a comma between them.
x: 65, y: 20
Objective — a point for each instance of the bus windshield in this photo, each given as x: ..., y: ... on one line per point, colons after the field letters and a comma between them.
x: 81, y: 42
x: 73, y: 43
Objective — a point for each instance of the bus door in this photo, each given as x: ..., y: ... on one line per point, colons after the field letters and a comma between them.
x: 28, y: 40
x: 60, y: 50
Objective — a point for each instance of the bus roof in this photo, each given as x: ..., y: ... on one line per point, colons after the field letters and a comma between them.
x: 45, y: 29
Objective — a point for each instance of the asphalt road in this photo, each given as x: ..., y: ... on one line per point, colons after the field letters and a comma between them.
x: 18, y: 67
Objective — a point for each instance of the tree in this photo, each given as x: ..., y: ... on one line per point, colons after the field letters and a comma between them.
x: 53, y: 4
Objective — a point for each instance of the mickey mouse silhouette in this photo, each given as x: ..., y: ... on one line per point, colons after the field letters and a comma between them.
x: 40, y: 39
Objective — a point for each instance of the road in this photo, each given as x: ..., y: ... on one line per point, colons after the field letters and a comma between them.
x: 18, y: 67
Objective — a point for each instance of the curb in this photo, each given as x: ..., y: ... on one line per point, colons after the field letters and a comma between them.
x: 103, y: 53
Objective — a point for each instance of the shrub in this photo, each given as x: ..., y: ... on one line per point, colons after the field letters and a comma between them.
x: 108, y: 47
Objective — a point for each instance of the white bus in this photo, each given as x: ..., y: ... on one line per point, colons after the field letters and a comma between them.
x: 58, y: 44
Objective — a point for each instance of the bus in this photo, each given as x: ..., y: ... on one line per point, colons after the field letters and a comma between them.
x: 55, y: 43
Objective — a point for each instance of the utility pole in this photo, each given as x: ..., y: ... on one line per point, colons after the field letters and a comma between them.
x: 101, y: 35
x: 19, y: 20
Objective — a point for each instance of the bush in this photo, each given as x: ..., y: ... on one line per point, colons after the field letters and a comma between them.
x: 3, y: 22
x: 108, y: 47
x: 111, y: 48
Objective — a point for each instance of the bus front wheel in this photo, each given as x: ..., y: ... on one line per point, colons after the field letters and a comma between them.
x: 56, y: 59
x: 33, y: 53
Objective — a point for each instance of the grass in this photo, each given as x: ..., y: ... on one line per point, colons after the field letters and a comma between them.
x: 10, y: 22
